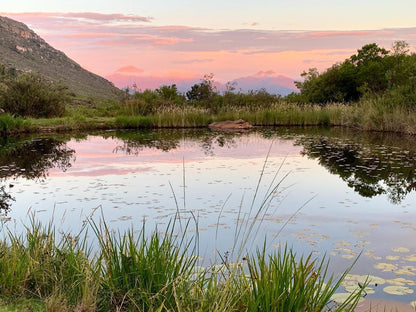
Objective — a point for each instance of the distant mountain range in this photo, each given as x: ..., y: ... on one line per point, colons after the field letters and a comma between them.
x: 270, y: 81
x: 22, y: 49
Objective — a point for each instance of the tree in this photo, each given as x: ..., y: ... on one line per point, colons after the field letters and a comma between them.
x: 203, y: 91
x: 372, y: 70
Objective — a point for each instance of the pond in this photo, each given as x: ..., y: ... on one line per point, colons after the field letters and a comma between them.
x: 335, y: 193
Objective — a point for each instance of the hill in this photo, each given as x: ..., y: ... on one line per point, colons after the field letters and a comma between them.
x: 22, y: 49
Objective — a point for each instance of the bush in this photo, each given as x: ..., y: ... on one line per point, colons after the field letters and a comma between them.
x: 30, y: 95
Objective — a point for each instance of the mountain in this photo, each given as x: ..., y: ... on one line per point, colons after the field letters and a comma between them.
x: 272, y: 82
x: 24, y: 50
x: 268, y: 80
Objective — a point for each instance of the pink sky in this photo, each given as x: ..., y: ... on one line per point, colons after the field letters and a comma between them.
x: 132, y: 45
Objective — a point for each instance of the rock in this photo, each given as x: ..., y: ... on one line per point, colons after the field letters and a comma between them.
x: 229, y: 125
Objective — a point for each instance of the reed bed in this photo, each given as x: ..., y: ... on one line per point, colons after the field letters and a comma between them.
x: 369, y: 114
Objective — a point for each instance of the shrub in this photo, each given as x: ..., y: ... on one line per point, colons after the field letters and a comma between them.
x: 30, y: 95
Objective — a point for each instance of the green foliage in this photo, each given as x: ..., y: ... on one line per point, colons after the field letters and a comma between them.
x: 371, y: 71
x: 203, y: 91
x: 149, y: 102
x: 9, y: 123
x: 302, y: 284
x: 31, y: 95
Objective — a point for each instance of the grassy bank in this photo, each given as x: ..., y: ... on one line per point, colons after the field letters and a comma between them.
x: 43, y: 270
x: 367, y: 115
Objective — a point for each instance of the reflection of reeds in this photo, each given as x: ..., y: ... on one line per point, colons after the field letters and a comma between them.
x: 160, y: 272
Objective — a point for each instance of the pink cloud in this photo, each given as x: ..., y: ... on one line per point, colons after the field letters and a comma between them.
x: 171, y: 40
x: 71, y: 16
x: 108, y: 17
x: 89, y: 35
x: 129, y: 70
x: 105, y: 42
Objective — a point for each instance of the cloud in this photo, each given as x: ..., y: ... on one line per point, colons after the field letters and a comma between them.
x: 76, y: 16
x: 130, y: 69
x: 132, y: 30
x: 104, y: 42
x: 107, y: 17
x: 194, y: 61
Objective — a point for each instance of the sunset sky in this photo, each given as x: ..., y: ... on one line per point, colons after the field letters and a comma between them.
x: 184, y: 39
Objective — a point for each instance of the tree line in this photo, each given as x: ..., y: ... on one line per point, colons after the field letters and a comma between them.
x: 371, y: 72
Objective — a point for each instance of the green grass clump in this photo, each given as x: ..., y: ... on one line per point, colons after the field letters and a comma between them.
x: 142, y: 274
x: 10, y: 124
x: 154, y: 272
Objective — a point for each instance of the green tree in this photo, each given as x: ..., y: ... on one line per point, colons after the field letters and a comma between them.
x: 203, y: 91
x: 373, y: 70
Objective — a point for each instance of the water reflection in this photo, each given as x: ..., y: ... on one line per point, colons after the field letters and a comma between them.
x: 370, y: 164
x: 30, y: 159
x: 134, y: 142
x: 367, y: 168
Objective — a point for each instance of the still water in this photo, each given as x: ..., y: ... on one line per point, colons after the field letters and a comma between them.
x: 334, y: 193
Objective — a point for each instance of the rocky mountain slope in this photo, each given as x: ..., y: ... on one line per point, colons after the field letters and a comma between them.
x: 24, y: 50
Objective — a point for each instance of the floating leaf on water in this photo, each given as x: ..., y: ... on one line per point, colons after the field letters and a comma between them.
x: 342, y: 243
x: 398, y: 290
x: 342, y: 297
x: 348, y: 283
x: 386, y: 266
x: 348, y: 256
x: 400, y: 249
x: 370, y: 279
x: 390, y: 257
x: 400, y: 281
x: 404, y: 272
x: 356, y: 288
x: 410, y: 258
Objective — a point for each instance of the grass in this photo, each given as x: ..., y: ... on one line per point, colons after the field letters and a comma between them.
x: 369, y: 114
x: 158, y: 272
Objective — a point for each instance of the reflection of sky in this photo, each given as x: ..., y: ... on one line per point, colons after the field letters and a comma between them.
x: 334, y: 220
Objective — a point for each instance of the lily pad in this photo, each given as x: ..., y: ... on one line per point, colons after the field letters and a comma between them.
x: 390, y: 257
x: 342, y: 297
x: 404, y: 272
x: 370, y: 279
x: 398, y: 290
x: 410, y: 258
x: 401, y: 249
x: 386, y: 266
x: 400, y: 281
x: 356, y: 288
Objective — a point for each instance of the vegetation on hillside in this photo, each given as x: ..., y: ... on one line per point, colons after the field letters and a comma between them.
x: 31, y: 95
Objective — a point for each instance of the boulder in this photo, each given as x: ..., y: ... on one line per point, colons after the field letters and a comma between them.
x: 230, y: 125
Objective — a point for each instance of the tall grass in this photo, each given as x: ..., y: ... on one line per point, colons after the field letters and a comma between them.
x: 156, y: 272
x: 10, y: 124
x: 140, y: 273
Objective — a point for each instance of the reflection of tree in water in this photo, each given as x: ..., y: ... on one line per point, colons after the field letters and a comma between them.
x: 31, y: 159
x: 369, y: 170
x: 134, y: 142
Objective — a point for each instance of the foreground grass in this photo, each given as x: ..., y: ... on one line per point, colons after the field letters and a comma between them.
x: 43, y: 271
